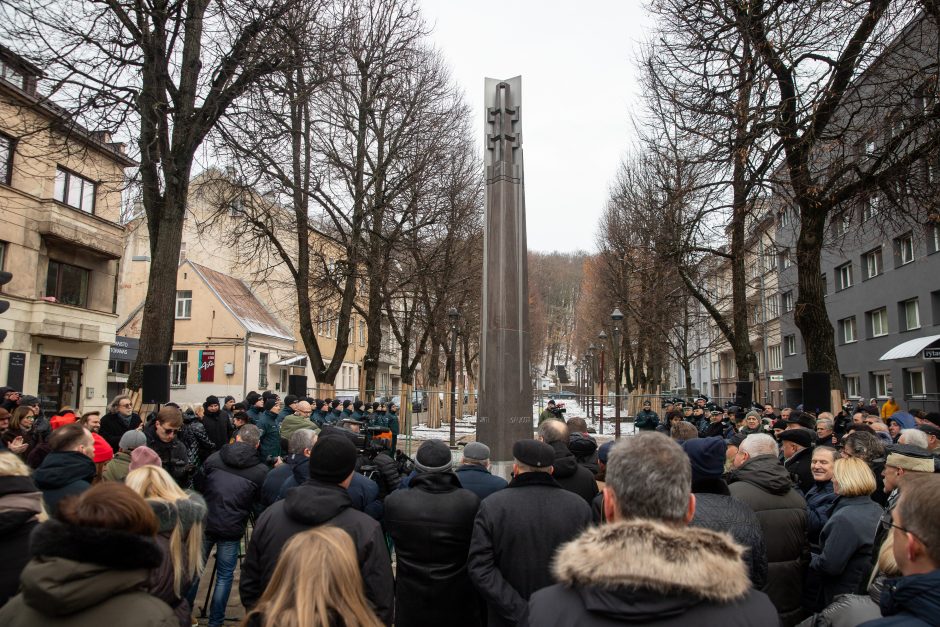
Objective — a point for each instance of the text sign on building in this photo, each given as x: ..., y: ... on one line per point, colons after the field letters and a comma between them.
x: 124, y: 348
x: 932, y: 353
x: 206, y: 366
x: 16, y: 370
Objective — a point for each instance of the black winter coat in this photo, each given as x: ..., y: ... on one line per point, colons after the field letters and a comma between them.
x: 431, y: 524
x: 194, y: 436
x: 173, y: 454
x: 20, y: 504
x: 642, y: 572
x: 479, y: 480
x: 218, y: 427
x: 572, y: 476
x: 113, y: 427
x: 646, y: 420
x: 763, y: 484
x: 846, y: 543
x: 584, y: 449
x: 515, y: 535
x: 308, y: 506
x: 231, y: 482
x: 716, y: 510
x: 800, y: 467
x: 363, y: 491
x: 271, y: 490
x: 62, y: 474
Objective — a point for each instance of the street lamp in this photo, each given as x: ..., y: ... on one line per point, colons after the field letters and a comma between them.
x: 454, y: 316
x: 616, y: 316
x: 591, y: 379
x: 603, y: 338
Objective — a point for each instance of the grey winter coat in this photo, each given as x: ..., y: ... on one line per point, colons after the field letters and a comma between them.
x: 645, y: 572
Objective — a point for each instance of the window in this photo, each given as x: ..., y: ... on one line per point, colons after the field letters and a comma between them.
x: 772, y: 305
x: 881, y: 382
x: 182, y: 254
x: 12, y: 75
x: 74, y: 190
x: 67, y: 284
x: 824, y: 283
x: 872, y: 207
x: 785, y: 261
x: 6, y: 159
x: 184, y: 304
x: 178, y: 366
x: 844, y: 276
x: 914, y: 383
x: 362, y: 333
x: 3, y: 255
x: 320, y: 321
x: 844, y: 223
x: 263, y: 371
x: 784, y: 218
x: 774, y: 357
x: 847, y: 330
x: 933, y: 237
x: 878, y: 322
x: 873, y: 263
x: 904, y: 247
x: 786, y: 300
x: 911, y: 311
x: 790, y: 343
x: 852, y: 386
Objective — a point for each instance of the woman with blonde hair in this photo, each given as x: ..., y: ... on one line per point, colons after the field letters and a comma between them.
x: 180, y: 517
x: 847, y: 537
x: 316, y: 583
x: 21, y: 510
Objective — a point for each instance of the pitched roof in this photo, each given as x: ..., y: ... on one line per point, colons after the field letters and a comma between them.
x: 239, y: 300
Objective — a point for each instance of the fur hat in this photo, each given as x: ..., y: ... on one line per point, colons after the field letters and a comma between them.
x: 144, y: 456
x: 433, y: 456
x: 332, y: 459
x: 211, y: 400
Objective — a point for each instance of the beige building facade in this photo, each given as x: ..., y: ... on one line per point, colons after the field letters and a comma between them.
x: 61, y: 238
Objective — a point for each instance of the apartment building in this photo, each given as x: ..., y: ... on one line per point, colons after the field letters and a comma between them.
x: 61, y: 238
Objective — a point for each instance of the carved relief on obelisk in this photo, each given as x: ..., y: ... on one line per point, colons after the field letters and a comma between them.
x: 505, y: 409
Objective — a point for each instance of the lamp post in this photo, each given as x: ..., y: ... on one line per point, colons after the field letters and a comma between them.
x: 591, y: 379
x: 454, y: 316
x: 603, y: 338
x: 616, y: 316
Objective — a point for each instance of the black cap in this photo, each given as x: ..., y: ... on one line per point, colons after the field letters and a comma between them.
x: 930, y: 429
x: 798, y: 436
x: 803, y: 419
x: 332, y: 459
x: 534, y: 453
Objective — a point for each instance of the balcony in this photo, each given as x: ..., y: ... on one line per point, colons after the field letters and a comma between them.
x: 64, y: 322
x: 59, y: 222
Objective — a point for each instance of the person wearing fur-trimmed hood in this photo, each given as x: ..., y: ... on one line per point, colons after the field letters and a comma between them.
x: 646, y: 566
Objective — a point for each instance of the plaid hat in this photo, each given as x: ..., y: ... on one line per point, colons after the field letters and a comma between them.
x: 333, y: 458
x: 477, y: 451
x: 132, y: 439
x: 144, y: 456
x: 433, y: 456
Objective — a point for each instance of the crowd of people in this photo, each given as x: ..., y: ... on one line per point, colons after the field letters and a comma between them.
x: 710, y: 516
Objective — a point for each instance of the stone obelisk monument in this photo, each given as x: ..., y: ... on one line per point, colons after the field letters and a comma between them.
x: 505, y: 410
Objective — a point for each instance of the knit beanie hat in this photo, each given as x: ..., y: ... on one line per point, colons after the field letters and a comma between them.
x: 268, y: 394
x: 332, y: 459
x: 347, y: 403
x: 103, y: 450
x: 290, y: 399
x: 707, y: 456
x: 131, y: 440
x: 269, y: 404
x: 144, y: 456
x: 433, y: 456
x: 212, y: 400
x: 334, y: 404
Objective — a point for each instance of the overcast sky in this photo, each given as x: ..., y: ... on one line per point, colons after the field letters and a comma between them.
x: 577, y: 62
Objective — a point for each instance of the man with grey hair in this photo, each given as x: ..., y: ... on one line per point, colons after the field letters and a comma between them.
x: 120, y: 419
x: 645, y: 565
x: 517, y: 530
x: 915, y: 437
x: 824, y: 430
x: 299, y: 446
x: 761, y: 482
x: 474, y: 471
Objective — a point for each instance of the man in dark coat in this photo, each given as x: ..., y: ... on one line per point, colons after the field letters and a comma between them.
x: 582, y: 445
x: 646, y: 419
x: 322, y: 500
x: 230, y: 481
x: 267, y: 423
x: 567, y: 472
x: 300, y: 444
x: 716, y: 510
x: 763, y: 484
x: 217, y: 423
x: 20, y: 509
x: 797, y: 446
x: 68, y: 470
x: 474, y: 471
x: 645, y: 566
x: 120, y: 419
x: 517, y: 530
x: 161, y: 437
x: 431, y: 524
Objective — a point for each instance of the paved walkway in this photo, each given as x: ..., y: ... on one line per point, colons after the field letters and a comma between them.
x: 235, y: 611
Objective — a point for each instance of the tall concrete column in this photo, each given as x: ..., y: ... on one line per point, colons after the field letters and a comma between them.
x: 505, y: 411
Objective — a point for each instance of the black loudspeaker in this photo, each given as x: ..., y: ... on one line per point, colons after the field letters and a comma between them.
x: 816, y: 396
x: 156, y: 387
x: 297, y: 385
x: 743, y: 391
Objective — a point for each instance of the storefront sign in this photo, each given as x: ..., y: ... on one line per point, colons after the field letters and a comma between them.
x: 16, y: 370
x: 206, y: 366
x: 776, y: 377
x: 125, y: 348
x: 932, y: 353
